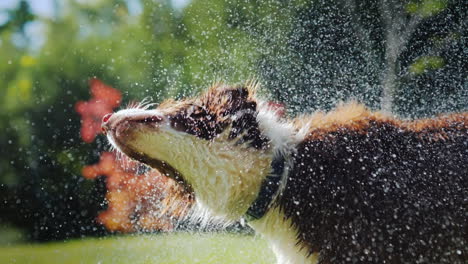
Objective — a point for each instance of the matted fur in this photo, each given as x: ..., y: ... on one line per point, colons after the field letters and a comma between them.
x: 359, y: 186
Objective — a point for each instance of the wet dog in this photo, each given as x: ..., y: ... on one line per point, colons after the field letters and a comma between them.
x: 350, y: 185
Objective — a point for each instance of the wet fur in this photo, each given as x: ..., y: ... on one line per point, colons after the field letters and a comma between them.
x: 360, y: 186
x: 366, y: 187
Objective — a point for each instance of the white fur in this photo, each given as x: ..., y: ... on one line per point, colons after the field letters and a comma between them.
x: 282, y: 236
x: 282, y: 134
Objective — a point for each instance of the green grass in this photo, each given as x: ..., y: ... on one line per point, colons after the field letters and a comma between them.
x: 168, y: 248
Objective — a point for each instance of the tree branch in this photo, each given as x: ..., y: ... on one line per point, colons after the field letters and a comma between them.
x: 398, y: 33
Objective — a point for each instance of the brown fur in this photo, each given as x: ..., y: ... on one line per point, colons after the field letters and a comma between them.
x: 356, y: 117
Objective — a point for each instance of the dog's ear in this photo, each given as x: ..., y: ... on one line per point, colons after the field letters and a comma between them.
x: 240, y: 99
x: 228, y: 100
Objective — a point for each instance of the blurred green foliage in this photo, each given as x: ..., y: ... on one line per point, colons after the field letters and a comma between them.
x: 426, y: 63
x: 309, y: 54
x: 426, y: 8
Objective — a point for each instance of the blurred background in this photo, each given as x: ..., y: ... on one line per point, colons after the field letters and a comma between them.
x: 404, y: 57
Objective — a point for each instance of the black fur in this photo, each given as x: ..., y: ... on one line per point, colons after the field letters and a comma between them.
x: 381, y: 194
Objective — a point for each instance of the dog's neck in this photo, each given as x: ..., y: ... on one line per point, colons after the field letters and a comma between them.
x: 283, y: 139
x: 269, y: 190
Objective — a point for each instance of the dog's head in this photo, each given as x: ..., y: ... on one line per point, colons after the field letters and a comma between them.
x: 216, y: 145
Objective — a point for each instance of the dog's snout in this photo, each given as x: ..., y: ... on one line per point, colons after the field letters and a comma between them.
x: 124, y: 120
x: 153, y: 119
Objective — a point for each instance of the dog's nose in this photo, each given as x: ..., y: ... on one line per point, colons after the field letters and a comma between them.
x: 105, y: 123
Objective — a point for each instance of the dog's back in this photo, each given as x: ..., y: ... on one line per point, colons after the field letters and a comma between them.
x: 366, y: 188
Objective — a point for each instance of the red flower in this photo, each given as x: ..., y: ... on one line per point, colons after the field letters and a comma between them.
x: 103, y: 100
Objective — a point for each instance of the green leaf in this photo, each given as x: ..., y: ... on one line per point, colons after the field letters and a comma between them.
x: 426, y: 63
x: 426, y: 8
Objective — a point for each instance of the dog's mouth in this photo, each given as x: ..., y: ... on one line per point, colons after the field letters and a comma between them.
x: 167, y: 170
x: 163, y: 167
x: 122, y: 132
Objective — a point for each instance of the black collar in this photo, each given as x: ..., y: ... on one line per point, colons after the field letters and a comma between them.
x: 268, y: 191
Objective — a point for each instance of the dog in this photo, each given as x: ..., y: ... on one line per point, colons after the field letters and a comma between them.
x: 347, y: 186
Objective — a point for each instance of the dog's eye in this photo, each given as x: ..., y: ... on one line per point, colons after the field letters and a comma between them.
x: 198, y: 115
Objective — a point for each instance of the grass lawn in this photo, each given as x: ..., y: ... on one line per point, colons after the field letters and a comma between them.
x: 167, y: 248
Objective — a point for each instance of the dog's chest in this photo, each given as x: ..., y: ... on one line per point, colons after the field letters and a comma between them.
x: 282, y: 237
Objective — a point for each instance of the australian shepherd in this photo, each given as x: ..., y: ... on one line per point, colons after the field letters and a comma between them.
x: 347, y: 186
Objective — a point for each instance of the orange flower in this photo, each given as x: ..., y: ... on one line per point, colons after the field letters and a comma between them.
x: 135, y: 200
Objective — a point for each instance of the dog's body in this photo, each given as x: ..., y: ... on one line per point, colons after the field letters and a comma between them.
x: 356, y: 186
